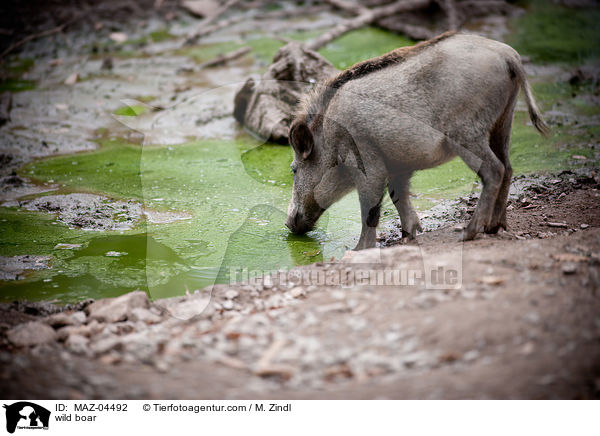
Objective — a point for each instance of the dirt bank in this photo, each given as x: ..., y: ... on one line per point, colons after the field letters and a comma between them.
x: 523, y: 322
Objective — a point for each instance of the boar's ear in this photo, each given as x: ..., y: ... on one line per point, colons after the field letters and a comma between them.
x: 301, y: 139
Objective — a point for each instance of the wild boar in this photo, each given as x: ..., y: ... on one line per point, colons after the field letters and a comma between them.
x: 374, y: 124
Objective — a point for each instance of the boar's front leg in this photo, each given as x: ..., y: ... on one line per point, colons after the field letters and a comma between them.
x: 370, y: 194
x: 398, y: 188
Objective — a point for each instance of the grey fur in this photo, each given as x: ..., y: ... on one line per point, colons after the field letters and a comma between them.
x: 451, y: 96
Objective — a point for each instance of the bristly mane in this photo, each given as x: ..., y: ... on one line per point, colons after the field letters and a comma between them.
x: 315, y: 102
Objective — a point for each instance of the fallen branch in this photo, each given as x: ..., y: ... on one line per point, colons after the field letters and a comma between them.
x: 191, y: 39
x: 368, y: 16
x: 220, y: 60
x: 210, y: 19
x: 36, y: 36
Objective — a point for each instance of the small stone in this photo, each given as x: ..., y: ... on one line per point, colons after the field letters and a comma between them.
x: 267, y: 282
x: 106, y: 344
x: 297, y: 292
x: 117, y: 309
x: 31, y: 333
x: 569, y: 268
x: 230, y: 294
x: 78, y: 344
x: 471, y: 355
x: 227, y: 304
x: 143, y: 315
x: 532, y: 317
x: 118, y: 37
x: 527, y: 348
x: 62, y: 319
x: 584, y: 226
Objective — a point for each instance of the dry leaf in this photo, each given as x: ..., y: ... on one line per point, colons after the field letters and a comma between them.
x: 201, y: 8
x: 118, y: 37
x: 72, y: 79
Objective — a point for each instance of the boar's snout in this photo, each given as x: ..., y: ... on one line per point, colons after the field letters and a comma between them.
x: 297, y: 224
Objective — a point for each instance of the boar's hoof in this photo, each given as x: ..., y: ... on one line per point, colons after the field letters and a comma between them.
x: 493, y: 229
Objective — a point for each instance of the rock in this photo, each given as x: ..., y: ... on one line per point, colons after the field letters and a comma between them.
x: 105, y: 344
x: 297, y: 292
x: 230, y: 294
x: 62, y: 319
x: 186, y: 307
x: 584, y: 226
x: 12, y: 267
x: 471, y: 355
x: 93, y: 328
x: 144, y: 315
x: 118, y: 37
x: 31, y: 333
x: 117, y: 309
x: 87, y: 211
x: 78, y: 344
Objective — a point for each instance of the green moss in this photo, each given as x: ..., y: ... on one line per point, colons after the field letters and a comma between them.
x: 131, y: 111
x: 553, y: 33
x: 16, y: 85
x: 18, y: 66
x: 160, y: 35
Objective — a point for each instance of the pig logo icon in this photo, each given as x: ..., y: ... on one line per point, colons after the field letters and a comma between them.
x: 26, y: 415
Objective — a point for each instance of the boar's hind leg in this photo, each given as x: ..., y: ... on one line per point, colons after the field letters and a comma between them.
x: 481, y: 159
x: 500, y: 144
x: 398, y: 189
x: 370, y: 194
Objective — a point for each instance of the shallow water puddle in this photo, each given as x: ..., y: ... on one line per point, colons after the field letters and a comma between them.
x: 230, y: 196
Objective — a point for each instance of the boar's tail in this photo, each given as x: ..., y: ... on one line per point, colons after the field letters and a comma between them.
x: 517, y: 69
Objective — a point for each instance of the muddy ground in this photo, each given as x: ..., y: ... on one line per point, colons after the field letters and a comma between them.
x: 524, y: 323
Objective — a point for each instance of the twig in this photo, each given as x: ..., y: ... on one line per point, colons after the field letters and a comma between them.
x: 355, y: 8
x: 220, y: 60
x: 36, y: 36
x: 366, y: 17
x: 210, y: 19
x: 261, y: 16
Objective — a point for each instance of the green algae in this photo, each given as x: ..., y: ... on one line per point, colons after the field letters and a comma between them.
x: 16, y: 85
x: 131, y: 110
